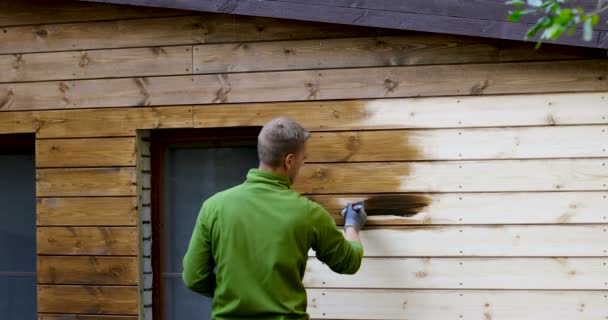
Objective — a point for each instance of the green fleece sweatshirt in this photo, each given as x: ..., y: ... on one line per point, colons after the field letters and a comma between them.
x: 258, y: 236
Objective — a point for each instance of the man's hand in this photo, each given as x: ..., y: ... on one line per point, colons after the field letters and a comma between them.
x: 354, y: 216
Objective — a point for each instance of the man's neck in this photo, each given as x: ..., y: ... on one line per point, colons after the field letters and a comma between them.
x: 279, y: 171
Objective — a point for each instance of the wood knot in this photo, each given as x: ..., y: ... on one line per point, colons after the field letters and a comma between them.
x: 63, y: 87
x: 390, y: 85
x: 18, y: 61
x: 42, y: 33
x: 421, y: 274
x: 289, y: 52
x: 479, y: 88
x: 261, y: 28
x: 158, y: 51
x: 353, y: 143
x: 84, y: 60
x: 221, y: 95
x: 8, y: 99
x: 321, y: 175
x: 313, y: 90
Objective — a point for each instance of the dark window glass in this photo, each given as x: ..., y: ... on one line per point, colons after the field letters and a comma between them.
x: 17, y: 235
x: 191, y: 174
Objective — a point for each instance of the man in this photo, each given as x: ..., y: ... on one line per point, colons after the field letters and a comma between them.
x: 258, y: 236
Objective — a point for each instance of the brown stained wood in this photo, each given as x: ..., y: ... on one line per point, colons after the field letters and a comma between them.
x: 464, y: 273
x: 446, y: 304
x: 50, y: 316
x: 113, y: 300
x: 88, y: 270
x: 183, y: 30
x: 407, y: 49
x: 112, y: 63
x: 430, y: 112
x: 486, y: 208
x: 87, y: 241
x: 116, y: 181
x: 108, y: 122
x: 456, y: 144
x: 454, y: 176
x: 26, y: 12
x: 85, y: 152
x: 16, y: 122
x: 94, y: 211
x: 415, y: 81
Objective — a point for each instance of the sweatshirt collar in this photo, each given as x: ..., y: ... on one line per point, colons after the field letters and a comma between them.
x: 262, y: 176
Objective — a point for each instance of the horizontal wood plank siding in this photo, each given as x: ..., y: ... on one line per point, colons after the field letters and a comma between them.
x: 113, y: 300
x: 88, y: 270
x: 414, y: 81
x: 122, y: 241
x: 196, y: 28
x: 464, y: 273
x: 86, y: 211
x: 455, y: 176
x: 441, y: 304
x: 501, y: 149
x: 409, y: 49
x: 85, y: 152
x: 77, y: 182
x: 486, y: 208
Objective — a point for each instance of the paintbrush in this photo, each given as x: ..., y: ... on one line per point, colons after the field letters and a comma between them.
x: 405, y: 205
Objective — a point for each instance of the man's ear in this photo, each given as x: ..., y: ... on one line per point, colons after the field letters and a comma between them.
x: 289, y: 160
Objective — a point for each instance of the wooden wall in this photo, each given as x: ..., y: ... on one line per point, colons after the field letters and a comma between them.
x: 503, y: 147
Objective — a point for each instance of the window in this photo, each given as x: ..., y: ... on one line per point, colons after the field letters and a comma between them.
x: 18, y: 228
x: 188, y: 167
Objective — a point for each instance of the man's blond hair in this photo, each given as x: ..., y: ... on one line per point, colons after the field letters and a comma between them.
x: 278, y: 138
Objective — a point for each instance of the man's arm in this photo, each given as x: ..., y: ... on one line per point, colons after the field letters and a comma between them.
x: 198, y: 262
x: 340, y: 254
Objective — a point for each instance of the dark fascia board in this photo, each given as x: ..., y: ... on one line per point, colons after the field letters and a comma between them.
x: 456, y: 17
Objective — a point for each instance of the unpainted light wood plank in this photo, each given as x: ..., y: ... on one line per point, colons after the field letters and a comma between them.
x: 93, y: 211
x: 87, y: 241
x: 356, y: 83
x: 181, y: 30
x: 455, y: 176
x: 486, y: 241
x: 112, y: 181
x: 460, y: 144
x: 447, y: 304
x: 111, y: 63
x: 432, y: 112
x: 26, y: 12
x: 88, y: 270
x: 486, y: 208
x: 465, y: 273
x: 113, y: 300
x: 16, y: 122
x: 108, y: 122
x: 406, y: 49
x: 64, y: 316
x: 85, y: 152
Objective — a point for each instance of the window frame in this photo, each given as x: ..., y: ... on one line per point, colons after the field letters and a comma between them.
x: 160, y: 141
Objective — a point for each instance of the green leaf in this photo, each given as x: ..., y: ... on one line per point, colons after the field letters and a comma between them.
x: 588, y: 30
x: 536, y: 27
x: 517, y: 3
x: 514, y: 15
x: 595, y: 19
x: 571, y: 30
x: 535, y: 3
x: 554, y: 32
x: 552, y: 7
x: 564, y: 17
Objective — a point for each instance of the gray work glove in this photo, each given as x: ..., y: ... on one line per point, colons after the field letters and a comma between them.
x: 354, y: 216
